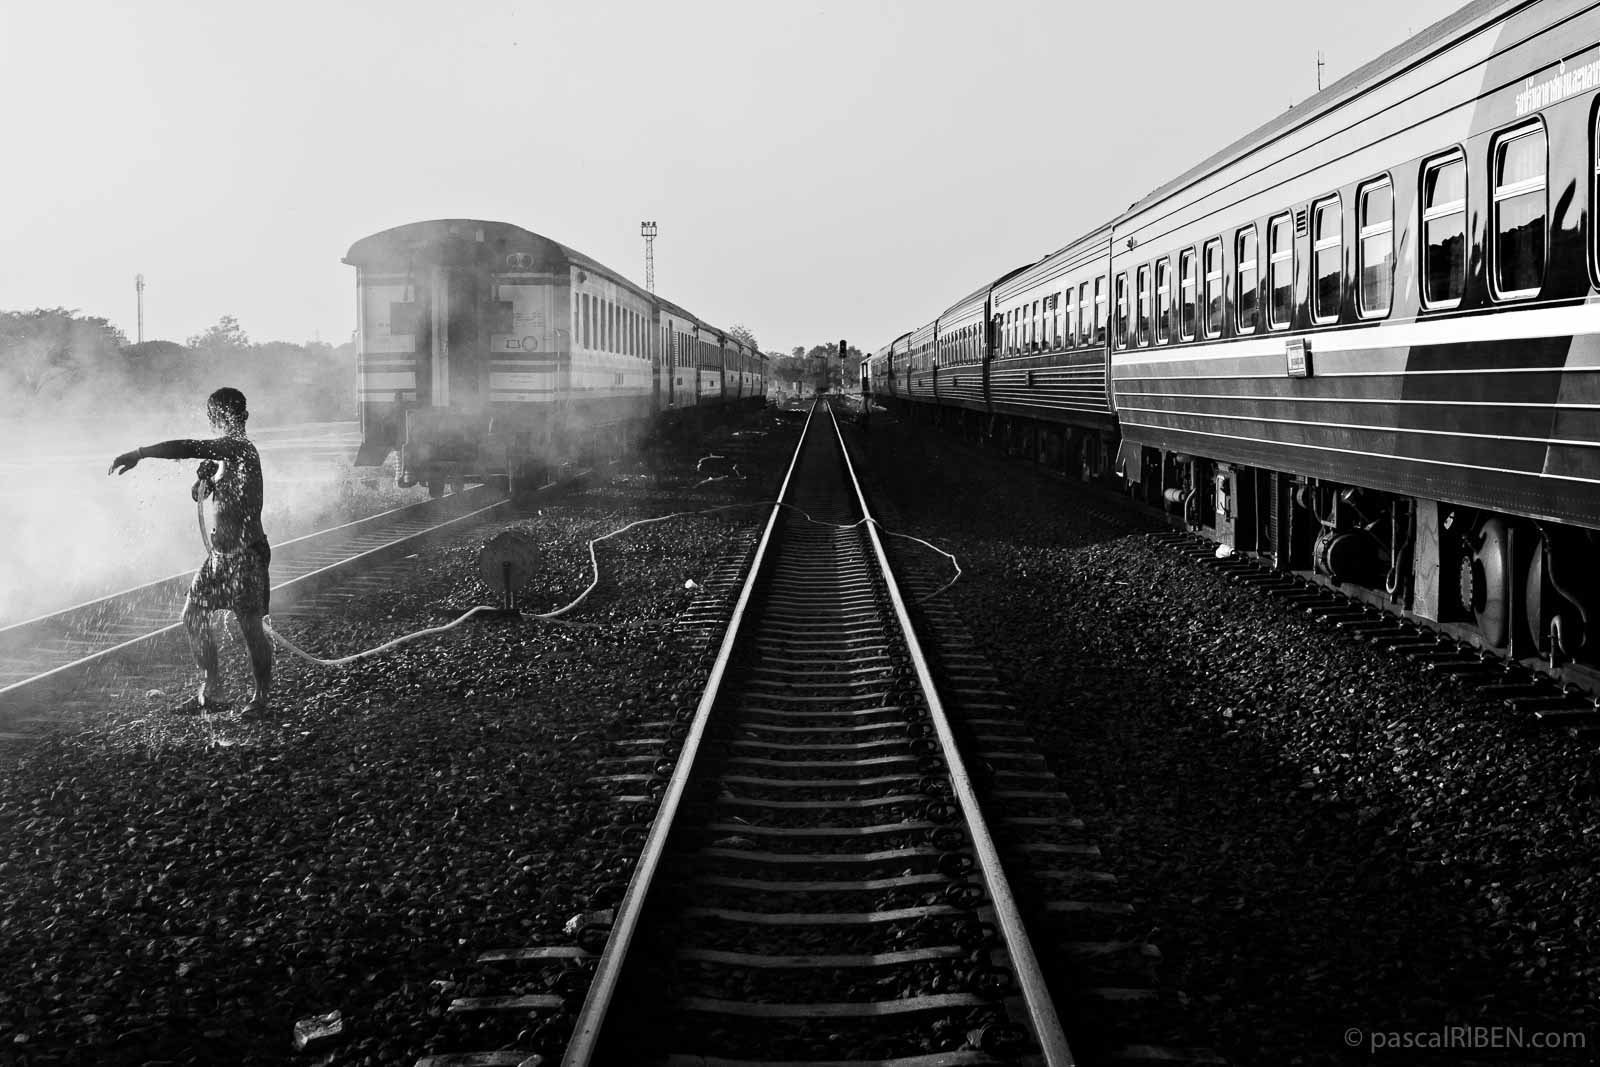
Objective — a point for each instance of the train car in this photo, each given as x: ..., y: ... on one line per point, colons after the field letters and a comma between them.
x: 675, y: 331
x: 1048, y: 383
x: 486, y: 351
x: 961, y: 340
x: 922, y: 374
x: 896, y: 371
x: 1383, y: 361
x: 708, y: 363
x: 1362, y: 341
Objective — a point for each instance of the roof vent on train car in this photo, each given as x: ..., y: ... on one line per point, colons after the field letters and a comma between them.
x: 1300, y: 223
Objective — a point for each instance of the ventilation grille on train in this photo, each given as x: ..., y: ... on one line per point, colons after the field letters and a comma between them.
x: 1300, y: 223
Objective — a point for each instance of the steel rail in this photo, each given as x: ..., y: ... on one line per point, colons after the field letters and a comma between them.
x: 304, y: 541
x: 1029, y: 976
x: 583, y: 1046
x: 288, y: 589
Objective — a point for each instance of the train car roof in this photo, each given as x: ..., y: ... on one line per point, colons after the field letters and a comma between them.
x: 471, y: 239
x: 1056, y: 265
x: 1409, y: 52
x: 667, y: 305
x: 982, y: 292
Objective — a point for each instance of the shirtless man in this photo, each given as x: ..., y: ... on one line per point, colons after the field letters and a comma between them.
x: 234, y: 575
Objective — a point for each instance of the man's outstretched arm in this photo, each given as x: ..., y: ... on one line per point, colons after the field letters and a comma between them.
x: 219, y: 448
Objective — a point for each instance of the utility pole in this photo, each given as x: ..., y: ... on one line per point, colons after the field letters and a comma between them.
x: 648, y: 231
x: 138, y: 288
x: 1320, y: 65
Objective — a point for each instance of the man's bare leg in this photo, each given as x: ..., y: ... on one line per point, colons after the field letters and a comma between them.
x: 260, y: 646
x: 197, y: 624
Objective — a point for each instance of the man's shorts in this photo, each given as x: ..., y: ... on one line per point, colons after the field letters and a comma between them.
x: 234, y: 580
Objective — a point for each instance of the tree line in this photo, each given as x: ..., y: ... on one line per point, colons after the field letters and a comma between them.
x: 58, y: 361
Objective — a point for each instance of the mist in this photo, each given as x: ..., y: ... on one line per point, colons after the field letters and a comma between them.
x: 74, y: 394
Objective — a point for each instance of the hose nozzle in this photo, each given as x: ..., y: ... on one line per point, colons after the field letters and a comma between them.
x: 205, y: 480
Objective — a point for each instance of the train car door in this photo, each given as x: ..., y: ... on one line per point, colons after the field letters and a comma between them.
x: 464, y: 360
x: 653, y: 341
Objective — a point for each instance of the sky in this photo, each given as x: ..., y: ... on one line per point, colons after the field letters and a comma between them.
x: 817, y: 170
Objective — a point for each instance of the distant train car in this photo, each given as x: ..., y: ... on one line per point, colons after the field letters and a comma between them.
x: 487, y: 351
x: 1363, y: 340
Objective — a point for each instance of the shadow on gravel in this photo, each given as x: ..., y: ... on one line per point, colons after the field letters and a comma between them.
x: 1336, y: 856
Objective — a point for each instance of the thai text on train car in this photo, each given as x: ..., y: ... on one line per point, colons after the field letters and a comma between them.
x: 1558, y: 87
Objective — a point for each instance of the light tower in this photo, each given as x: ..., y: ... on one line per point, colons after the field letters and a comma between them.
x: 648, y: 231
x: 138, y: 288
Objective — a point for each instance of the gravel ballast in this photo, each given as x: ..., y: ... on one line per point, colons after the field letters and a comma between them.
x: 184, y: 889
x: 1334, y: 852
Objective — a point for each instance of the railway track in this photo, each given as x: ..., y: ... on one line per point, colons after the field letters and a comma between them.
x: 47, y: 659
x: 818, y: 885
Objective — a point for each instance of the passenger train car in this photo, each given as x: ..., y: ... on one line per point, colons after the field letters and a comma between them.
x: 488, y: 351
x: 1362, y: 341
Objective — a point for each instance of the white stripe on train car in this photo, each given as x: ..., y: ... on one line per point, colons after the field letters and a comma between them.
x: 388, y: 381
x: 1385, y: 456
x: 1356, y: 426
x: 1499, y: 324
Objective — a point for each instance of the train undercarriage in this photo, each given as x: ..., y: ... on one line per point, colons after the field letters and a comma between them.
x: 1520, y: 588
x: 1523, y: 589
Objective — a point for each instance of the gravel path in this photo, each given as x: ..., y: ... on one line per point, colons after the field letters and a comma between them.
x: 181, y: 890
x: 1322, y: 840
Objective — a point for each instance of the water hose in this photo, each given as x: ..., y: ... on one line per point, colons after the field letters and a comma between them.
x: 205, y: 485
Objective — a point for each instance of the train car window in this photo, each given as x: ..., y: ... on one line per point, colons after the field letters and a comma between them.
x: 1186, y: 304
x: 1214, y: 289
x: 1141, y: 327
x: 1444, y: 232
x: 1120, y: 334
x: 1083, y: 313
x: 1099, y: 311
x: 1280, y: 272
x: 1375, y: 250
x: 1246, y: 267
x: 586, y: 335
x: 1033, y: 328
x: 1520, y: 207
x: 1163, y: 301
x: 403, y: 318
x: 1327, y: 260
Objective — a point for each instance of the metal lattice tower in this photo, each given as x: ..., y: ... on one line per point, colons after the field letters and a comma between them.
x: 648, y: 231
x: 138, y: 288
